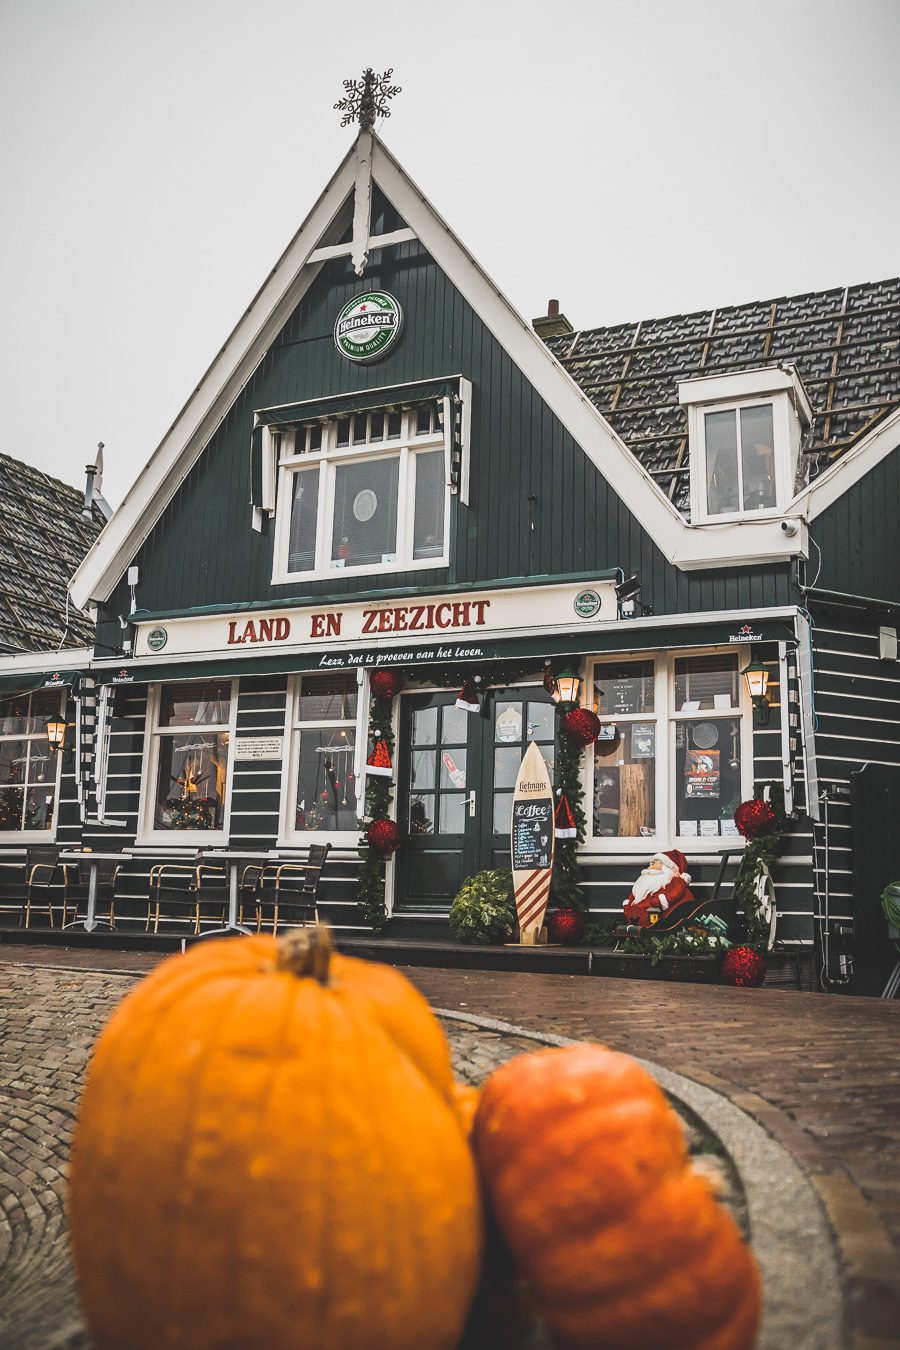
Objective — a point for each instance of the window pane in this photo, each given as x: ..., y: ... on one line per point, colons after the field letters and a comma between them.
x: 200, y: 703
x: 304, y: 510
x: 190, y: 790
x: 452, y: 813
x: 507, y: 759
x: 423, y: 419
x: 421, y: 772
x: 14, y: 714
x: 758, y: 457
x: 508, y: 722
x: 326, y: 786
x: 328, y: 698
x: 454, y: 726
x: 376, y: 427
x: 359, y: 428
x: 343, y: 431
x: 428, y: 529
x: 503, y: 812
x: 703, y: 682
x: 453, y: 768
x: 539, y: 724
x: 625, y: 784
x: 425, y: 726
x: 624, y: 689
x: 45, y: 704
x: 421, y: 814
x: 707, y: 776
x: 314, y: 437
x: 365, y: 512
x: 721, y: 463
x: 13, y: 761
x: 394, y: 424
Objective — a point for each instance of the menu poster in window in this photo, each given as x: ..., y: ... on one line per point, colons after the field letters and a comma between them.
x: 701, y: 772
x: 623, y: 695
x: 643, y: 740
x: 532, y: 843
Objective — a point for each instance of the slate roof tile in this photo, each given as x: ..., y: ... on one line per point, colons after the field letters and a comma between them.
x: 845, y: 344
x: 43, y: 538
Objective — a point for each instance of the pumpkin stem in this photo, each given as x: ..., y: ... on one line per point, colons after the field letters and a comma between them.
x: 306, y: 951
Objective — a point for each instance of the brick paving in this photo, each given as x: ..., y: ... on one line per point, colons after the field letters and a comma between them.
x: 821, y: 1074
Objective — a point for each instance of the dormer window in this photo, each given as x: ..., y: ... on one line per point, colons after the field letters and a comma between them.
x: 744, y: 432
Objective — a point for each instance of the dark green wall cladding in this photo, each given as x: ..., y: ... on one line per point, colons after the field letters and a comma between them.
x: 203, y: 551
x: 858, y: 536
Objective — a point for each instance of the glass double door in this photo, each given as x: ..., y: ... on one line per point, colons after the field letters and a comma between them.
x: 457, y: 773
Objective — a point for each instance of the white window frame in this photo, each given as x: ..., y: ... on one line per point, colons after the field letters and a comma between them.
x: 406, y: 448
x: 37, y: 836
x: 666, y: 716
x: 782, y: 448
x: 147, y: 834
x: 289, y: 836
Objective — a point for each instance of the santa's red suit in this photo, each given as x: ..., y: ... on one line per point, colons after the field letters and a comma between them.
x: 661, y: 888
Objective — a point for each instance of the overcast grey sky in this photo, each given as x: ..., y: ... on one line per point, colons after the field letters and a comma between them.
x: 632, y: 159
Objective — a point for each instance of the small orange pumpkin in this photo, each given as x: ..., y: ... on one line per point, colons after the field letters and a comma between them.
x: 268, y: 1154
x: 623, y: 1245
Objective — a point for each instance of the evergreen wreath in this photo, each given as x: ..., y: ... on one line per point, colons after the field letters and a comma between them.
x: 566, y: 885
x: 748, y: 928
x: 379, y: 794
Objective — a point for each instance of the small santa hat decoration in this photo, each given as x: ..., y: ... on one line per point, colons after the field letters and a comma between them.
x: 675, y: 862
x: 468, y: 697
x: 565, y: 821
x: 379, y: 760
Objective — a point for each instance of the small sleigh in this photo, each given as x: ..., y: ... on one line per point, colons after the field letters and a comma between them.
x: 687, y: 913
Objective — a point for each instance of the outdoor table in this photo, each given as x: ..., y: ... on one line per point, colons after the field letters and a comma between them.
x: 90, y: 921
x: 234, y: 859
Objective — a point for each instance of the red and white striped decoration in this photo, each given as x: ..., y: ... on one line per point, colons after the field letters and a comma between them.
x: 532, y: 898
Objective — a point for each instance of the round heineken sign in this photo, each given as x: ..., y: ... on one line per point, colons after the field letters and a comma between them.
x: 587, y: 604
x: 368, y: 326
x: 157, y: 639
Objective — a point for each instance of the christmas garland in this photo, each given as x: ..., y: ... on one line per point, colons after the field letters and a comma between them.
x: 761, y: 850
x: 379, y: 793
x: 566, y: 886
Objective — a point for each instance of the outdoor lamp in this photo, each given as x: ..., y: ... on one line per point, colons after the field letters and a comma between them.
x: 757, y: 677
x: 56, y: 736
x: 568, y: 687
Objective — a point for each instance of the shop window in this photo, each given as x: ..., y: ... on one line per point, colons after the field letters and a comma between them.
x: 322, y: 780
x: 740, y: 460
x: 190, y: 731
x: 674, y: 757
x: 362, y: 493
x: 29, y: 771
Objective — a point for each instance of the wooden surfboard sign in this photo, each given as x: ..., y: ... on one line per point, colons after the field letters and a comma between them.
x: 532, y: 843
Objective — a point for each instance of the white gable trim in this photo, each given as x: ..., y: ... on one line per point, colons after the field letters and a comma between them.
x: 685, y: 545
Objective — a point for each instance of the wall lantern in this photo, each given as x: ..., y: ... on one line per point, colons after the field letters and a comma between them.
x: 568, y: 687
x: 56, y: 736
x: 757, y: 677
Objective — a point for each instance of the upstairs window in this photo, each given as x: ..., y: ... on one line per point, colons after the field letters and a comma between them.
x: 363, y: 493
x: 744, y: 432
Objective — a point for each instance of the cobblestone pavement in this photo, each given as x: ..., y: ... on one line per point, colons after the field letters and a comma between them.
x: 820, y: 1074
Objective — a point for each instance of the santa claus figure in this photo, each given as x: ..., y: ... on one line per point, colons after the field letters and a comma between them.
x: 660, y: 889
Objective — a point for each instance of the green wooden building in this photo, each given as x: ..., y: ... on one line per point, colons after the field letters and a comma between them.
x: 387, y: 468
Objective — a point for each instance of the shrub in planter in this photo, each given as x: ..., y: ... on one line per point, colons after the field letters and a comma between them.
x: 485, y: 909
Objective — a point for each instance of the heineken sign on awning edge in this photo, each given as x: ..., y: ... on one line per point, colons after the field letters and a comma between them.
x: 368, y: 326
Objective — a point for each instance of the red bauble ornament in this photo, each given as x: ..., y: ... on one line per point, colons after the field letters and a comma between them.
x: 565, y: 926
x: 581, y: 726
x: 384, y: 836
x: 754, y: 817
x: 743, y: 967
x: 386, y: 683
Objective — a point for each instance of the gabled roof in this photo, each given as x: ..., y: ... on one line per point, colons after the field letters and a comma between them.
x: 43, y: 539
x: 845, y: 344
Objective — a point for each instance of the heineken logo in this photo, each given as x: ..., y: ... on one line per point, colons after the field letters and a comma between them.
x: 587, y: 604
x: 745, y: 634
x: 157, y: 639
x: 368, y: 326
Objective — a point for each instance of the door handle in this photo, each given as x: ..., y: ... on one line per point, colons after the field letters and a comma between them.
x: 470, y: 802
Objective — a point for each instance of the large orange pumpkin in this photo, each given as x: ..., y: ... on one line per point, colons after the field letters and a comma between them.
x: 623, y: 1245
x: 268, y: 1155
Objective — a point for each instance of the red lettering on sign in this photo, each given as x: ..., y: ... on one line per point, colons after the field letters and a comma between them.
x: 416, y: 613
x: 232, y: 635
x: 479, y: 607
x: 369, y: 618
x: 249, y: 633
x: 441, y: 610
x: 400, y: 624
x: 282, y: 629
x: 386, y: 621
x: 461, y: 614
x: 265, y: 630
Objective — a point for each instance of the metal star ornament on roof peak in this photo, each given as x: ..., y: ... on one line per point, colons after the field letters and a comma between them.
x: 366, y: 99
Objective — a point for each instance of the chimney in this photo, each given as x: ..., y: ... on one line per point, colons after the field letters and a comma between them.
x: 93, y: 483
x: 553, y: 324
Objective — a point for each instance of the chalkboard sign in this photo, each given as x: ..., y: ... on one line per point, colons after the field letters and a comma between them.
x: 532, y: 834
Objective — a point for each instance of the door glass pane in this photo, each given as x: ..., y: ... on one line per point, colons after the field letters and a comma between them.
x: 707, y: 776
x: 424, y: 727
x: 328, y: 698
x: 365, y: 513
x: 190, y: 789
x: 326, y: 786
x: 200, y: 703
x: 508, y: 722
x: 703, y: 682
x: 721, y: 463
x: 454, y: 726
x: 758, y: 457
x: 625, y: 783
x: 506, y: 763
x: 421, y: 770
x: 428, y: 526
x: 453, y: 768
x: 624, y: 689
x: 452, y: 819
x: 539, y: 726
x: 304, y: 511
x: 503, y: 812
x: 421, y: 814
